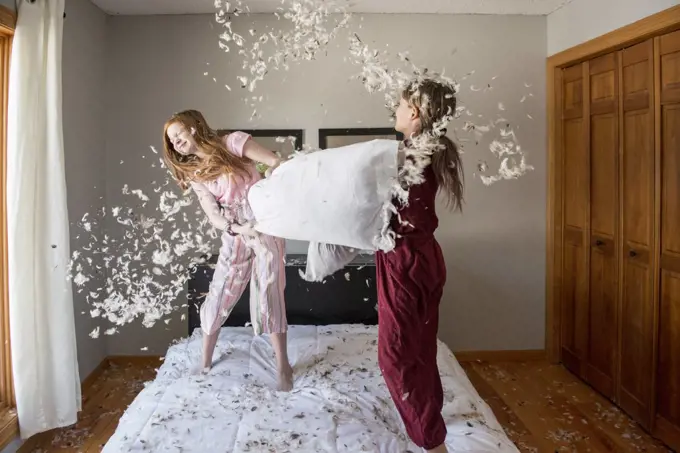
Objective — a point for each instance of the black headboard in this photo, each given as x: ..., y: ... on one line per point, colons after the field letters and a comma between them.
x: 271, y: 133
x: 347, y: 297
x: 359, y: 134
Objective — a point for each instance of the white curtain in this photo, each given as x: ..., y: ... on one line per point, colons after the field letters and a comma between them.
x: 42, y: 325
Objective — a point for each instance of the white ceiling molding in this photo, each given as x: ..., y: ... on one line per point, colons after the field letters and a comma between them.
x: 504, y: 7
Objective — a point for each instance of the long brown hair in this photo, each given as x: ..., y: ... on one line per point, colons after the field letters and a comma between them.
x: 436, y: 104
x: 193, y: 168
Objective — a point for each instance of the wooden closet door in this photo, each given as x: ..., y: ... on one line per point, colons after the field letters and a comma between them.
x: 604, y: 149
x: 637, y: 216
x: 668, y: 364
x: 576, y: 165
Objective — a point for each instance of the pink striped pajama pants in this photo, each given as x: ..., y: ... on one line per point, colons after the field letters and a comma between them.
x: 259, y: 260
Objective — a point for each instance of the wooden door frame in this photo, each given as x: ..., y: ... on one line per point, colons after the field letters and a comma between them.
x: 8, y: 19
x: 9, y: 427
x: 663, y: 22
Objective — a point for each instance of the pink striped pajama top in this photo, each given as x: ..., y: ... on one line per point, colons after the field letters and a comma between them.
x: 259, y: 259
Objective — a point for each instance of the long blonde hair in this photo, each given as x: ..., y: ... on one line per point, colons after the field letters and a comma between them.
x: 435, y: 101
x: 189, y: 168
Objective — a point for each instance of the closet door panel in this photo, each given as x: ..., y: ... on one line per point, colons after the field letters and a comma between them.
x: 637, y: 217
x: 604, y: 116
x: 668, y: 363
x: 574, y: 316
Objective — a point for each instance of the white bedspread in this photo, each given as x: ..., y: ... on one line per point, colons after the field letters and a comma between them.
x: 339, y: 404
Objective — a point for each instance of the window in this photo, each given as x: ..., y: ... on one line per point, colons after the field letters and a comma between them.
x: 8, y: 421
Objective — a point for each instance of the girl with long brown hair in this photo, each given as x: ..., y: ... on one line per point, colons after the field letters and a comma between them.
x: 221, y: 170
x: 411, y: 277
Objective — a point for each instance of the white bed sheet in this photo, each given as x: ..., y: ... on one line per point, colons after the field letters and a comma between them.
x: 339, y: 404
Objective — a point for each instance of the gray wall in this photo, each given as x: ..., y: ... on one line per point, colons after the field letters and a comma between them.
x: 84, y: 68
x: 495, y: 250
x: 596, y: 18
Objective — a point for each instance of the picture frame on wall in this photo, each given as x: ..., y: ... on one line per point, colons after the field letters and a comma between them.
x: 271, y: 139
x: 335, y: 138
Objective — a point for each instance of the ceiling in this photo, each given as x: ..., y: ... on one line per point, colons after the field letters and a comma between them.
x: 527, y: 7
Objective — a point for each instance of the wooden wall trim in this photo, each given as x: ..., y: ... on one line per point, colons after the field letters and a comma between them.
x: 663, y: 22
x: 554, y: 212
x: 122, y: 360
x: 118, y: 360
x: 528, y: 355
x: 656, y: 24
x: 6, y: 384
x: 9, y: 427
x: 94, y: 375
x: 551, y: 348
x: 8, y: 19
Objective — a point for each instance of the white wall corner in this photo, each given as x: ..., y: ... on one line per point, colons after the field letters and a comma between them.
x: 582, y: 20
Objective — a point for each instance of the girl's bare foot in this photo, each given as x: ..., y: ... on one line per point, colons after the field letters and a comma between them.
x: 286, y: 379
x: 439, y: 449
x: 199, y: 369
x: 209, y: 342
x: 280, y: 344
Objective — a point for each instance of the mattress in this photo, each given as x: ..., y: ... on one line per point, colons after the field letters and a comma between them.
x: 339, y: 404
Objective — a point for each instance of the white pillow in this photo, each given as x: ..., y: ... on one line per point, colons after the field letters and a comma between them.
x: 326, y: 259
x: 340, y: 196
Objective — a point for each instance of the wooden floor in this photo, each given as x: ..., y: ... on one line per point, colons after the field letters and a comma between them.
x: 542, y: 407
x: 104, y: 401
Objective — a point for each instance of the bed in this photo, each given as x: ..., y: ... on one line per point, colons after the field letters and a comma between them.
x: 339, y: 404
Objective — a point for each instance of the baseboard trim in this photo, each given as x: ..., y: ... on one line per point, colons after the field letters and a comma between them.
x: 94, y: 374
x: 523, y: 355
x: 119, y: 360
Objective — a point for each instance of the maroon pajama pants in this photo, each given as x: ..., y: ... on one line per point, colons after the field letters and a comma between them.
x: 410, y: 281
